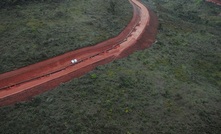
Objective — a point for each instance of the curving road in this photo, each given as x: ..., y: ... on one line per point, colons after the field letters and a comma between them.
x: 24, y: 83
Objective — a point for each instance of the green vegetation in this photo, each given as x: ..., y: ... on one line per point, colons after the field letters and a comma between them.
x: 33, y: 32
x: 174, y: 87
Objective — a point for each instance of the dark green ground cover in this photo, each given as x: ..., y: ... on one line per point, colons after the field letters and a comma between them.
x: 174, y: 87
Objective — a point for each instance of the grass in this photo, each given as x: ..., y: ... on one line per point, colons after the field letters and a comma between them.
x: 172, y: 87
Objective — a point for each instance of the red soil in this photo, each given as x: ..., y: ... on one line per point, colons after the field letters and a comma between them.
x: 218, y: 2
x: 24, y: 83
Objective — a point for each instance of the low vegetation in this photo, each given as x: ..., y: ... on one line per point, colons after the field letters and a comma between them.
x: 174, y: 87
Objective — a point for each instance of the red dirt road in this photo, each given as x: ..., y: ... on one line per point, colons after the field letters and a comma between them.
x: 218, y: 2
x: 24, y: 83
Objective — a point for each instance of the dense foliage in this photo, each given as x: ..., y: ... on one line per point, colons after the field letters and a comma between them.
x: 174, y: 87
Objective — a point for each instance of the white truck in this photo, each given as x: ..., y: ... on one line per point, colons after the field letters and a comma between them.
x: 74, y: 61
